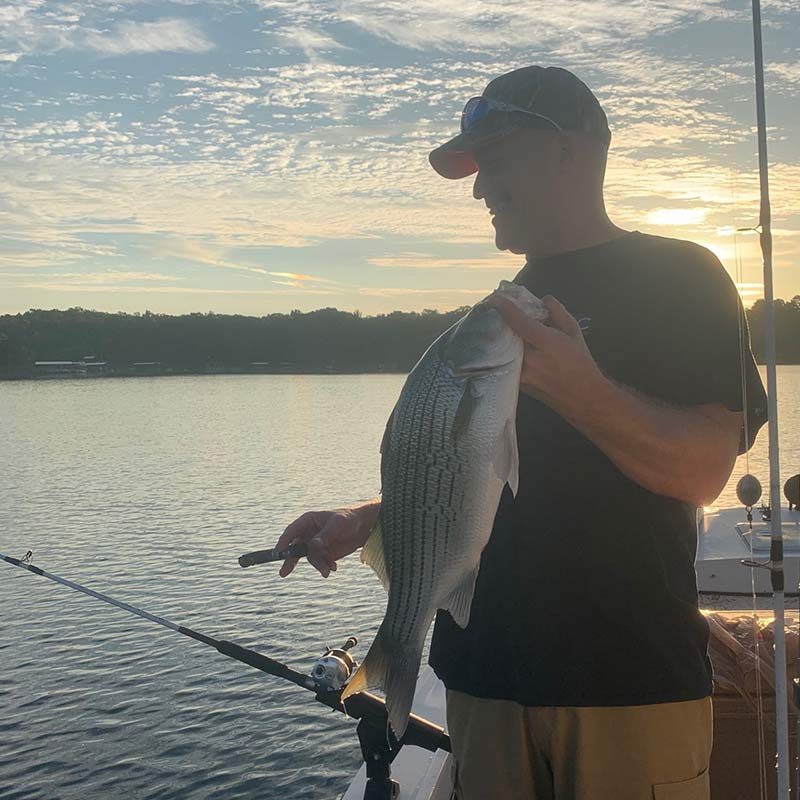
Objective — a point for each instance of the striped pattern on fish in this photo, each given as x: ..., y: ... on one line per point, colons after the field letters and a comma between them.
x: 448, y: 451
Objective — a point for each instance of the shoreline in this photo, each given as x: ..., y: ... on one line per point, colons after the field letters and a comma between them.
x: 200, y: 373
x: 173, y: 373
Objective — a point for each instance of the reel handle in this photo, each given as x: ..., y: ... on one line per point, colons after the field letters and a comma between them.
x: 294, y: 550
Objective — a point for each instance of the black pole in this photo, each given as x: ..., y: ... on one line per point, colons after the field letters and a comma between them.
x: 362, y: 706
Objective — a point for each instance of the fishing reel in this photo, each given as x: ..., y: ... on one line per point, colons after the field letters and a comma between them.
x: 332, y: 671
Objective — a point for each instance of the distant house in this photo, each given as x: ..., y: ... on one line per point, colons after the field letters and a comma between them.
x: 70, y: 369
x: 95, y: 368
x: 147, y: 367
x: 56, y: 369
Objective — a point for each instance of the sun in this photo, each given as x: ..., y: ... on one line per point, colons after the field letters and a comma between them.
x: 677, y: 216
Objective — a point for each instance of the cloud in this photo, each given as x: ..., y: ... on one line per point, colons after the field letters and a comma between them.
x: 33, y: 27
x: 75, y: 279
x: 114, y: 288
x: 676, y: 216
x: 429, y: 261
x: 311, y: 42
x: 298, y: 279
x: 166, y: 35
x: 494, y: 25
x: 115, y: 277
x: 326, y: 142
x: 449, y: 297
x: 200, y: 252
x: 29, y: 249
x: 784, y: 77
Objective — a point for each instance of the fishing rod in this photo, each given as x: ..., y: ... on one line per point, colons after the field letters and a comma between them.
x: 294, y: 550
x: 327, y: 679
x: 776, y: 542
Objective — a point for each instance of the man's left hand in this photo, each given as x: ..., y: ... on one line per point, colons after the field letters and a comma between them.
x: 557, y: 367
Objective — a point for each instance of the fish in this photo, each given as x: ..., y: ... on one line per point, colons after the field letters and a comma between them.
x: 449, y: 449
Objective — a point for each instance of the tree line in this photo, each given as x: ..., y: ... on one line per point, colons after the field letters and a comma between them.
x: 323, y: 340
x: 787, y: 329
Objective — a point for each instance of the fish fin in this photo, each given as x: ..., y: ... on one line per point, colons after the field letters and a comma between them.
x: 506, y: 456
x: 401, y: 681
x: 372, y: 672
x: 462, y: 374
x: 372, y: 554
x: 464, y: 412
x: 459, y: 603
x: 394, y: 670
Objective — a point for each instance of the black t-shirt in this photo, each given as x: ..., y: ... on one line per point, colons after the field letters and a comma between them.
x: 586, y: 594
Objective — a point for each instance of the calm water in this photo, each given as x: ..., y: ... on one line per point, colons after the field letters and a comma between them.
x: 149, y: 489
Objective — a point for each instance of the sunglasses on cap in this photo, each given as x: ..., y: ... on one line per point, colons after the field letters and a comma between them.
x: 478, y: 107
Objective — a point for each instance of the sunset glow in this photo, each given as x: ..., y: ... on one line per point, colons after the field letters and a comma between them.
x: 251, y: 157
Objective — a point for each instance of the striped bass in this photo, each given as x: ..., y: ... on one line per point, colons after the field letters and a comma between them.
x: 449, y: 448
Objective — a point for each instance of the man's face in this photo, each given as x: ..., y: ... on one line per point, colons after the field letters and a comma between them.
x: 517, y: 177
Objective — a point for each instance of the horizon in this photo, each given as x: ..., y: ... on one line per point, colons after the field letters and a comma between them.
x: 250, y: 158
x: 356, y: 311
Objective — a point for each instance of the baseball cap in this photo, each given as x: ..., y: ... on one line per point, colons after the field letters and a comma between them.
x: 549, y: 98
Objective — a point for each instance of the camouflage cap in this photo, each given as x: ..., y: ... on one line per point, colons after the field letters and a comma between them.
x: 552, y: 92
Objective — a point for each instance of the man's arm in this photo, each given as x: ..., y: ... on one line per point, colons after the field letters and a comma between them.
x: 686, y: 453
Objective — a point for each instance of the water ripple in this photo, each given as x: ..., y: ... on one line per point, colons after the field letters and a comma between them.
x: 148, y: 490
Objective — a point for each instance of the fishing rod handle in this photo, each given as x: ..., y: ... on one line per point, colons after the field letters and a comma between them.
x: 294, y: 550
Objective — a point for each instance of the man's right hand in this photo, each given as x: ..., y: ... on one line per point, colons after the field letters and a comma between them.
x: 330, y: 535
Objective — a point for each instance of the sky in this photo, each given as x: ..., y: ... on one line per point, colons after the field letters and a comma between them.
x: 259, y: 156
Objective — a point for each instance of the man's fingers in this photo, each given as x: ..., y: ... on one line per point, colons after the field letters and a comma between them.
x: 303, y: 529
x: 288, y: 566
x: 328, y: 535
x: 319, y: 561
x: 319, y: 557
x: 560, y: 318
x: 529, y: 329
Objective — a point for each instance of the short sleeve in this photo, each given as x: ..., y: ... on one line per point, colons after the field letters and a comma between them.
x: 695, y: 338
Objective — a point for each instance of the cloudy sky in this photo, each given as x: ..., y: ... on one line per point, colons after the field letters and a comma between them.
x: 251, y: 156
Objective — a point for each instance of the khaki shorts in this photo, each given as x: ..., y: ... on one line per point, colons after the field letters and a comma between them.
x: 505, y: 751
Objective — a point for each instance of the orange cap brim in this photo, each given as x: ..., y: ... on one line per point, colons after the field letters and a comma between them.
x: 456, y: 159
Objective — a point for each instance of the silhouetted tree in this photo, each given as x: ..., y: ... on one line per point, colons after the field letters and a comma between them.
x: 326, y: 339
x: 787, y: 329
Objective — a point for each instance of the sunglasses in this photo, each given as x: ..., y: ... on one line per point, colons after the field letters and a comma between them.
x: 478, y: 107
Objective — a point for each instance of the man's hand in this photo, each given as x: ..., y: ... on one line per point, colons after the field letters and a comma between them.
x: 682, y: 452
x: 557, y: 365
x: 330, y: 535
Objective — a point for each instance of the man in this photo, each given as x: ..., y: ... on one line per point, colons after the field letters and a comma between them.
x: 583, y: 673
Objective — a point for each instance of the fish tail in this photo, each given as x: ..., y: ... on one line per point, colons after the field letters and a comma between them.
x: 401, y: 681
x: 394, y: 669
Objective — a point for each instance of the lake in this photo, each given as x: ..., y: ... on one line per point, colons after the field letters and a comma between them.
x: 149, y: 489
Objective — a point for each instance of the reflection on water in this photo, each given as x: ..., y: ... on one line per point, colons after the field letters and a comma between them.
x: 757, y: 460
x: 148, y: 489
